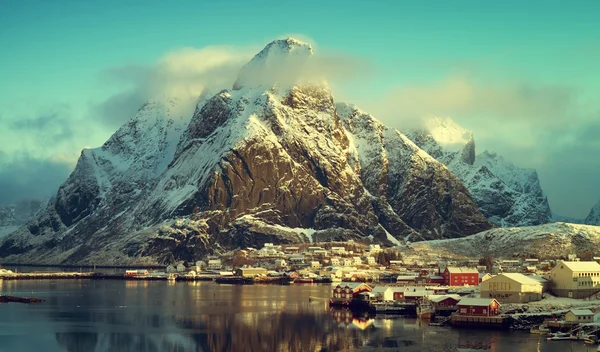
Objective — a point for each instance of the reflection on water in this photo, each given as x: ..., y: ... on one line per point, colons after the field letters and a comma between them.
x: 201, y: 316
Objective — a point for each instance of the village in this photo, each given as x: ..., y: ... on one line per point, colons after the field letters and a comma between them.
x: 554, y: 296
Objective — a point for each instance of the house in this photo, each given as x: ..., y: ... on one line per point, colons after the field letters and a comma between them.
x: 334, y: 261
x: 395, y: 264
x: 485, y: 307
x: 435, y: 279
x: 580, y: 316
x: 484, y: 277
x: 511, y: 266
x: 348, y: 262
x: 512, y: 288
x: 214, y: 264
x: 543, y: 281
x: 374, y: 248
x: 280, y: 263
x: 406, y: 279
x: 315, y: 265
x: 444, y: 302
x: 575, y: 279
x: 371, y: 260
x: 250, y: 272
x: 356, y: 261
x: 296, y: 259
x: 291, y: 250
x: 384, y: 293
x: 460, y: 276
x: 345, y: 291
x: 338, y: 250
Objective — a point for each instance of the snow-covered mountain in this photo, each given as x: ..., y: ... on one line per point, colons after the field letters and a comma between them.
x: 571, y: 220
x: 554, y: 240
x: 593, y: 217
x: 271, y: 160
x: 507, y: 195
x: 15, y: 215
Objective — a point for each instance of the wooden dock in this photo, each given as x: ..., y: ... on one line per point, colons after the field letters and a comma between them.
x: 479, y: 321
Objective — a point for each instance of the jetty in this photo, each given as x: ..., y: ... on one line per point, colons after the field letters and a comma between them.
x: 9, y: 299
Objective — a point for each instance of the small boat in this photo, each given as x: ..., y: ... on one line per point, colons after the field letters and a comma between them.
x: 425, y: 311
x: 541, y: 330
x: 588, y: 341
x: 302, y: 280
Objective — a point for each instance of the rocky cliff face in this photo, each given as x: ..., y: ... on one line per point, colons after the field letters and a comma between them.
x: 14, y: 215
x: 506, y: 195
x: 263, y: 162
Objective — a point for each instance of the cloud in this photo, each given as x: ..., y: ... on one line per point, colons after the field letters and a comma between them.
x: 183, y: 73
x: 27, y: 177
x: 186, y: 72
x: 547, y: 127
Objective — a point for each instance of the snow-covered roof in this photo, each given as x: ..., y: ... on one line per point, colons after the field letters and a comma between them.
x: 581, y: 266
x: 406, y: 277
x: 540, y: 279
x: 476, y: 302
x: 379, y: 289
x: 520, y: 278
x: 439, y: 298
x: 462, y: 270
x: 351, y: 285
x: 581, y: 312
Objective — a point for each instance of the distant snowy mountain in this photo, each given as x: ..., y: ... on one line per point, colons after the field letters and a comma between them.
x: 593, y: 217
x: 554, y: 240
x: 15, y: 215
x: 270, y: 160
x: 560, y: 218
x: 507, y: 195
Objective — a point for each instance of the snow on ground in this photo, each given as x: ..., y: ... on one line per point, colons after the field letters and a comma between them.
x: 552, y: 239
x: 551, y: 305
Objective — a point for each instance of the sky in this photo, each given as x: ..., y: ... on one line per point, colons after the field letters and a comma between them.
x: 522, y: 75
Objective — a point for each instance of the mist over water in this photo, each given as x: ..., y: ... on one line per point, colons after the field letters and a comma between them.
x: 117, y: 315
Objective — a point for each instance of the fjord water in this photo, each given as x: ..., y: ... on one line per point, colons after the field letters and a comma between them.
x: 117, y: 315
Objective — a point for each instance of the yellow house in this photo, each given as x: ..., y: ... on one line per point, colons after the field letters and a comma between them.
x: 575, y: 279
x: 511, y: 288
x: 580, y: 316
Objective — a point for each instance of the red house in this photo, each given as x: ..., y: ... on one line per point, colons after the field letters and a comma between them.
x: 482, y: 307
x: 344, y: 292
x: 455, y: 276
x: 445, y: 302
x: 435, y: 279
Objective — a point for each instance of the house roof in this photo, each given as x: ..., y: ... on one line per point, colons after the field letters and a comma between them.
x: 406, y: 277
x: 540, y: 279
x: 476, y: 302
x: 581, y: 312
x: 581, y: 266
x: 520, y: 278
x: 439, y: 298
x: 352, y: 285
x: 378, y: 289
x: 462, y: 270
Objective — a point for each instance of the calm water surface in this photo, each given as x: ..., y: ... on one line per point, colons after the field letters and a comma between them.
x: 118, y: 315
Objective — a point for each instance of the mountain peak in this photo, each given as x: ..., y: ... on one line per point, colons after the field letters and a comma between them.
x: 281, y: 61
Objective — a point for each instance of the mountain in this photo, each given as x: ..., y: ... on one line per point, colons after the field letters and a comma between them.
x: 507, y: 195
x: 554, y: 240
x: 593, y: 217
x: 561, y: 218
x: 14, y: 215
x: 271, y: 160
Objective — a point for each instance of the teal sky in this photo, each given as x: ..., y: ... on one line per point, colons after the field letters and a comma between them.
x: 55, y: 55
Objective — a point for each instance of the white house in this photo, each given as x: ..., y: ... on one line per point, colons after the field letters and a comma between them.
x: 334, y: 261
x: 512, y: 288
x: 214, y: 264
x: 356, y: 261
x: 371, y: 260
x: 348, y: 262
x: 315, y: 265
x: 580, y: 316
x: 575, y: 279
x: 338, y: 250
x: 384, y: 293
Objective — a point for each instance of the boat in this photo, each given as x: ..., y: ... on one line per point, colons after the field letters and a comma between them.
x: 425, y: 311
x: 302, y: 280
x: 541, y: 330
